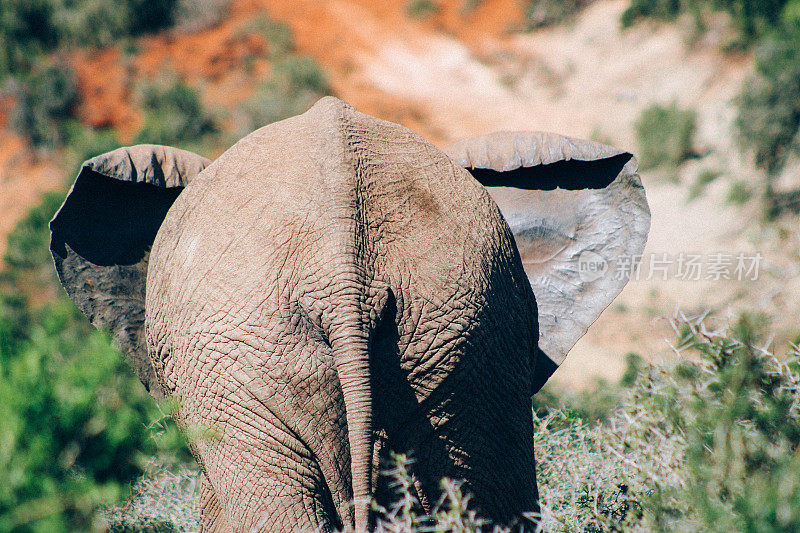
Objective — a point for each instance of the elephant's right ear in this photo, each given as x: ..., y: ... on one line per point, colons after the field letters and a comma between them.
x: 101, y: 238
x: 580, y: 220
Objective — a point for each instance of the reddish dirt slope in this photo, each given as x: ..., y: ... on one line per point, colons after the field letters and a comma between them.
x: 339, y: 34
x: 344, y: 35
x: 23, y: 178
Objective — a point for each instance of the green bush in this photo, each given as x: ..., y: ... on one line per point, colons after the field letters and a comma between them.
x: 76, y: 423
x: 164, y: 499
x: 665, y: 135
x: 28, y: 245
x: 29, y: 28
x: 769, y: 105
x: 704, y: 178
x: 294, y: 85
x: 45, y: 100
x: 89, y: 23
x: 26, y: 31
x: 149, y: 16
x: 752, y: 18
x: 540, y: 13
x: 659, y: 9
x: 742, y: 430
x: 705, y: 444
x: 174, y: 115
x: 592, y: 404
x: 74, y: 431
x: 303, y: 74
x: 278, y: 34
x: 196, y: 15
x: 468, y: 6
x: 46, y: 94
x: 739, y: 193
x: 791, y: 14
x: 768, y: 119
x: 86, y: 142
x: 422, y: 8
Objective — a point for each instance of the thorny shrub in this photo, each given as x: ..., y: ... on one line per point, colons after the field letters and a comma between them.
x: 706, y: 443
x: 666, y: 135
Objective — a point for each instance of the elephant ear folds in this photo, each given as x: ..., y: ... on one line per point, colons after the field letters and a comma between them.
x: 580, y: 219
x: 101, y: 237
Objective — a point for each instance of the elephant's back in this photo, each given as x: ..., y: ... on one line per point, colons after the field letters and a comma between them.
x: 238, y: 215
x: 332, y: 198
x: 344, y: 184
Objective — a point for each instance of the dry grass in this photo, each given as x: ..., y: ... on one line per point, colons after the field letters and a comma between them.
x: 164, y: 500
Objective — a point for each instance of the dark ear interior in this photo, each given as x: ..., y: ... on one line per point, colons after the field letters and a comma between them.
x: 110, y: 221
x: 571, y: 175
x: 101, y: 237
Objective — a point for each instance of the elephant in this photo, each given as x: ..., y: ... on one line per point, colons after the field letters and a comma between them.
x: 333, y: 288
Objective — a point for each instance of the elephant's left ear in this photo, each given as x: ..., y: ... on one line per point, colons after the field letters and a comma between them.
x: 580, y: 219
x: 101, y: 237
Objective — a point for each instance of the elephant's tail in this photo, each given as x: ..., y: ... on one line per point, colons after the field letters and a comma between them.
x: 350, y: 343
x: 351, y: 354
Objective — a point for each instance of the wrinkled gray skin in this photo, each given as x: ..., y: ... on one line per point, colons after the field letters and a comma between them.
x: 331, y: 289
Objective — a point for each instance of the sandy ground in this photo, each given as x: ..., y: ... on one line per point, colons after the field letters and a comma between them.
x: 459, y: 74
